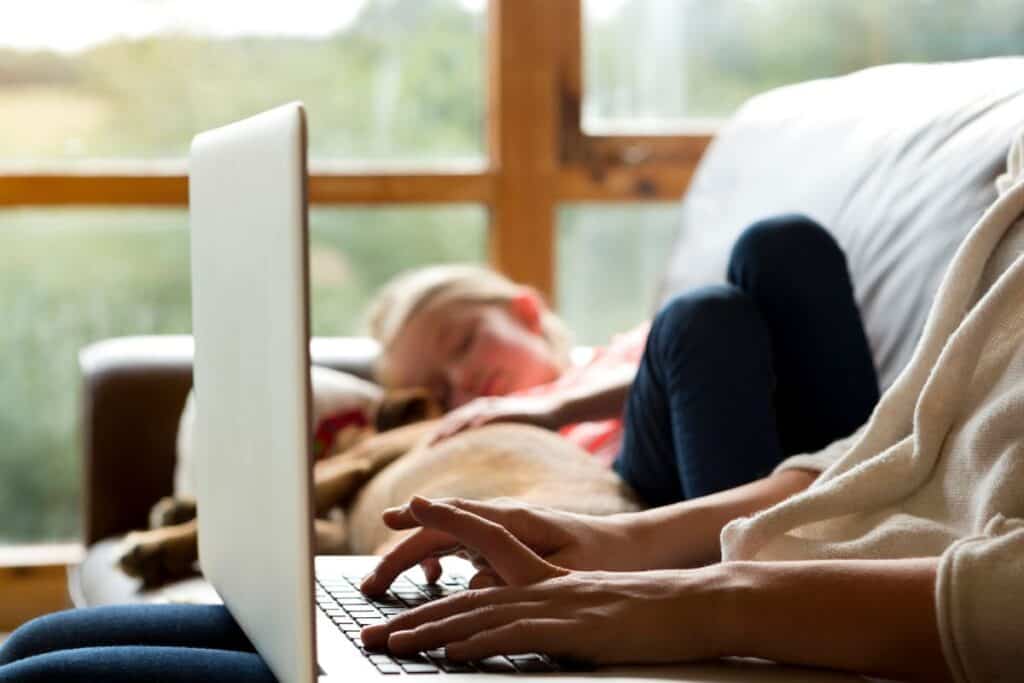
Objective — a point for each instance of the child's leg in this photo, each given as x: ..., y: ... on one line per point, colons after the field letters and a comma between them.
x: 132, y: 642
x: 699, y: 417
x: 735, y: 378
x: 796, y: 274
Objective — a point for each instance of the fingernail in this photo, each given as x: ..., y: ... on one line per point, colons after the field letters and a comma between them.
x: 420, y: 500
x: 397, y: 639
x: 369, y: 635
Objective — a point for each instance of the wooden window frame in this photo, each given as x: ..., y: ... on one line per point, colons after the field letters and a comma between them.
x: 538, y: 157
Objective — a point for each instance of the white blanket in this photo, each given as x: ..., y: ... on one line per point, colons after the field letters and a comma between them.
x: 938, y: 470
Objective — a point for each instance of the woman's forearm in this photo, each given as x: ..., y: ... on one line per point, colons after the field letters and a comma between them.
x: 875, y: 617
x: 687, y: 534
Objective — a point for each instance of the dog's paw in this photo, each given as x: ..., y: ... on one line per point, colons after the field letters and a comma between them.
x: 169, y: 511
x: 156, y: 557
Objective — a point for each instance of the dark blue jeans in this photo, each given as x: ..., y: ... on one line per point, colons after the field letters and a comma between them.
x: 736, y: 377
x: 133, y: 643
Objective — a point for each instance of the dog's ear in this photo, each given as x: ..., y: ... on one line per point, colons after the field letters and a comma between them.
x: 405, y: 406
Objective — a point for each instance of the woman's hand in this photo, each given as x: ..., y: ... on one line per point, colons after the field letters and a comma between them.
x: 564, y: 539
x: 541, y: 411
x: 591, y: 616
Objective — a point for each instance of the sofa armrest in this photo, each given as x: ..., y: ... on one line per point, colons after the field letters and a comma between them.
x: 132, y: 393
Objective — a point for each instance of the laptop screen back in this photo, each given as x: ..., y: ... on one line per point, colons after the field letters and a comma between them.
x: 247, y: 204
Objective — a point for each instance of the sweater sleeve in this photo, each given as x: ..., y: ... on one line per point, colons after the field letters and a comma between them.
x: 823, y: 459
x: 980, y: 604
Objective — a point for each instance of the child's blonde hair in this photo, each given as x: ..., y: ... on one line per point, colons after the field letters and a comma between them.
x: 414, y: 290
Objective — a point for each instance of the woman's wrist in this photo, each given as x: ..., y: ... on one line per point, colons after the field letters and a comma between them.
x: 712, y: 596
x: 687, y: 534
x: 682, y: 535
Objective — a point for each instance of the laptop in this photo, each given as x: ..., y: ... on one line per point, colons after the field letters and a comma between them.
x: 250, y: 317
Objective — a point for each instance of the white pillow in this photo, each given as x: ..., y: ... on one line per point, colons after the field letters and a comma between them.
x: 334, y: 393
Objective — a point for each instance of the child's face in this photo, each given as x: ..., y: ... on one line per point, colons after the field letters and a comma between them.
x: 462, y: 351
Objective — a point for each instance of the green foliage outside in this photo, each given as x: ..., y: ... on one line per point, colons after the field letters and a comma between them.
x: 405, y: 82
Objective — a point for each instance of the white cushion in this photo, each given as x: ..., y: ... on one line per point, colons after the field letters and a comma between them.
x: 333, y: 392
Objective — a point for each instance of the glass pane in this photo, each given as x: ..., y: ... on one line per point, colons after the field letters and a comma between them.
x: 610, y: 260
x: 70, y: 277
x: 381, y: 79
x: 702, y: 59
x: 355, y: 251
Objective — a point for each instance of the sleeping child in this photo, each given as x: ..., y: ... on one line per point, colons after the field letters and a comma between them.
x: 660, y: 402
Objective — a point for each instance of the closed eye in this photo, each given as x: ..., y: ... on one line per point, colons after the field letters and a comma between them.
x: 466, y: 341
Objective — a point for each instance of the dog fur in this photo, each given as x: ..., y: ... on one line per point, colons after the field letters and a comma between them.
x: 385, y: 469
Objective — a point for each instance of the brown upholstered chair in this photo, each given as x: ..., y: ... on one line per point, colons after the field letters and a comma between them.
x: 133, y: 390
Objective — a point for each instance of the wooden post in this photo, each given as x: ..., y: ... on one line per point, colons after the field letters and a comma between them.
x: 523, y: 118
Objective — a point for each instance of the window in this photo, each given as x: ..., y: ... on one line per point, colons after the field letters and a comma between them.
x: 395, y: 83
x: 702, y: 59
x: 70, y: 277
x: 610, y: 258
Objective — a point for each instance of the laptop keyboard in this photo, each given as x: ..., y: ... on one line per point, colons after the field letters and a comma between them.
x: 344, y: 604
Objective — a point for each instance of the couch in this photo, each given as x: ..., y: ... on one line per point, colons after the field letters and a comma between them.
x: 898, y: 162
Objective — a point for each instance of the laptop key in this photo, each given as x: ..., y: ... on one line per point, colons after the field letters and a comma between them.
x: 389, y: 668
x: 419, y: 668
x: 382, y: 603
x: 496, y: 664
x: 416, y: 602
x: 369, y: 621
x: 533, y: 665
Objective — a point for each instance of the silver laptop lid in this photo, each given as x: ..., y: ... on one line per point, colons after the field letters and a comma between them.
x: 247, y: 206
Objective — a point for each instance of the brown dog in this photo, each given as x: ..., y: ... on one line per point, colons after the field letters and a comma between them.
x: 374, y: 472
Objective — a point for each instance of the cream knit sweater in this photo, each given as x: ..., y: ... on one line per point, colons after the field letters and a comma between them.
x: 938, y: 469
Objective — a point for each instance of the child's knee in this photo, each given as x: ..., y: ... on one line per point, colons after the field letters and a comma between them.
x: 704, y: 317
x: 778, y: 245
